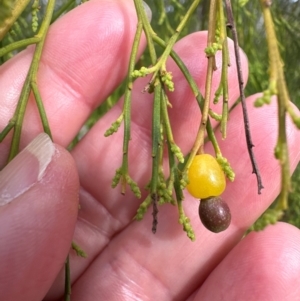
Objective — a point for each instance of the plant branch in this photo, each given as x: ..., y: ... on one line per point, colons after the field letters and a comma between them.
x: 277, y: 77
x: 31, y: 78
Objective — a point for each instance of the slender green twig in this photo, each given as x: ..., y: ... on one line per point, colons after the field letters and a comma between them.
x: 178, y: 30
x: 31, y: 77
x: 225, y: 63
x: 167, y: 125
x: 156, y: 119
x: 156, y: 145
x: 19, y: 44
x: 160, y: 65
x: 147, y: 29
x: 209, y: 73
x: 183, y: 219
x: 224, y: 79
x: 122, y: 173
x: 277, y: 78
x: 40, y: 106
x: 19, y: 116
x: 199, y: 142
x: 7, y: 129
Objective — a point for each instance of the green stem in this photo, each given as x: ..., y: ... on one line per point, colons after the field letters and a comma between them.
x: 167, y: 126
x: 178, y: 30
x: 41, y: 108
x: 156, y: 135
x: 224, y: 80
x: 166, y: 120
x: 147, y: 29
x: 156, y: 122
x: 199, y: 142
x: 277, y: 75
x: 7, y: 129
x: 225, y: 64
x: 31, y: 77
x: 161, y: 64
x: 127, y: 104
x: 156, y: 145
x: 182, y: 68
x: 19, y: 116
x: 195, y: 90
x: 19, y: 44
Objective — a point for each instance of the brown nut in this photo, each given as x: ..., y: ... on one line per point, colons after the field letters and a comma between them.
x: 214, y: 214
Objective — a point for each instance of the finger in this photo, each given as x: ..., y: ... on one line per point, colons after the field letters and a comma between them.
x: 39, y: 205
x: 158, y: 258
x: 263, y: 266
x: 85, y: 57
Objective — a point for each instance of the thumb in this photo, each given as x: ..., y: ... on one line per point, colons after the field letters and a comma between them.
x: 38, y: 211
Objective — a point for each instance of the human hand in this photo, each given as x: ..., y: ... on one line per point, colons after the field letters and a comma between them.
x: 85, y: 58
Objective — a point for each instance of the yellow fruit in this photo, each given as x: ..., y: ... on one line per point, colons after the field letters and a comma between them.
x: 206, y: 178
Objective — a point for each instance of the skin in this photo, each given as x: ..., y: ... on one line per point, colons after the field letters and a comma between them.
x: 85, y: 58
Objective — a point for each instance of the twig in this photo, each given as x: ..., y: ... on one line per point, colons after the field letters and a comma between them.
x: 250, y: 144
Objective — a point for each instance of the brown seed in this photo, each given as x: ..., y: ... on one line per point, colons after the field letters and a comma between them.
x: 214, y: 214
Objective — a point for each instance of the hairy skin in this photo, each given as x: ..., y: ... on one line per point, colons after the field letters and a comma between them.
x: 86, y: 56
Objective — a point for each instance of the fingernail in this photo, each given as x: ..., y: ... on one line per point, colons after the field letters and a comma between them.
x: 148, y: 11
x: 26, y: 169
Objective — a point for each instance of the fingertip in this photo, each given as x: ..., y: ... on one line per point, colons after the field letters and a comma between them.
x: 37, y: 228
